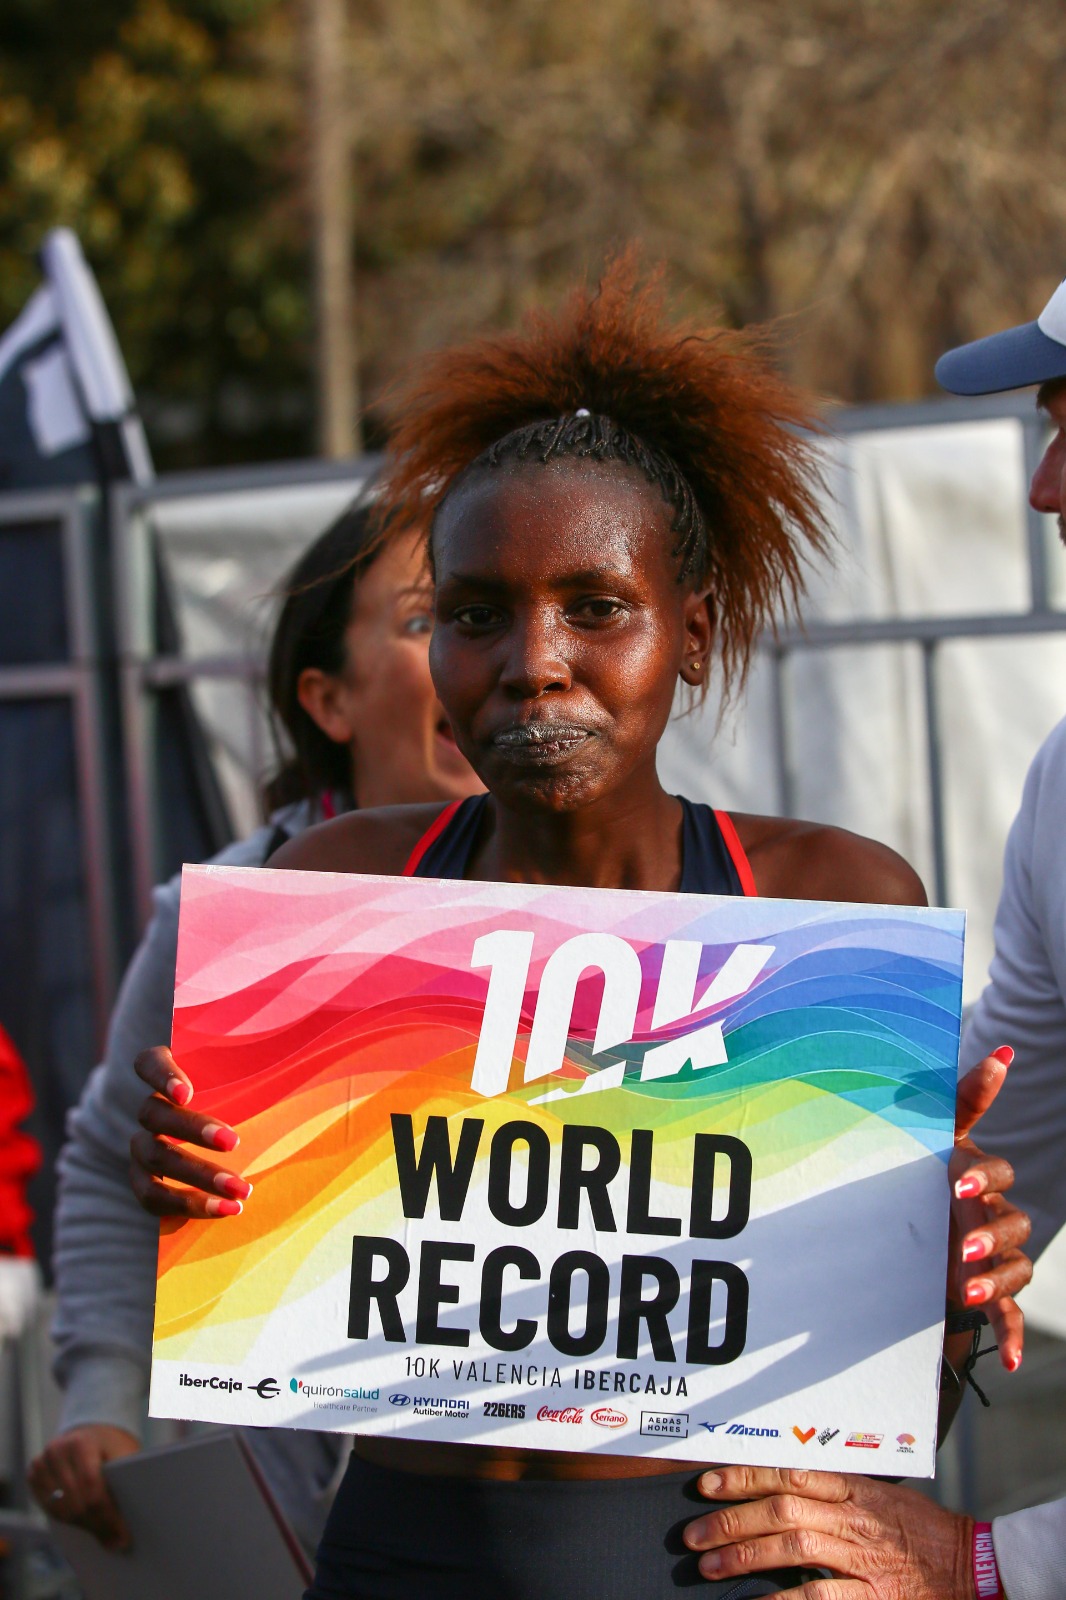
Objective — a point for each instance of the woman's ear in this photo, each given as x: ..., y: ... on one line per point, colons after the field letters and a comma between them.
x: 326, y: 700
x: 700, y: 630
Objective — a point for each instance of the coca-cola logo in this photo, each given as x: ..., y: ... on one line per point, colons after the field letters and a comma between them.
x: 608, y: 1417
x: 565, y: 1414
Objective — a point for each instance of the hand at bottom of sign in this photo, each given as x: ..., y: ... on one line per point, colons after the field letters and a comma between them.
x: 881, y: 1541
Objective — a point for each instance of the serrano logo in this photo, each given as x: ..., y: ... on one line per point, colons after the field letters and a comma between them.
x: 562, y: 1414
x: 864, y: 1441
x: 608, y: 1417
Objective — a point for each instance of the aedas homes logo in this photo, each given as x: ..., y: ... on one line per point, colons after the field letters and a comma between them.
x: 508, y: 953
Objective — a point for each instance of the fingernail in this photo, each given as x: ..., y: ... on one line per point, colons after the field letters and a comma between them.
x: 224, y: 1208
x: 178, y: 1091
x: 977, y: 1290
x: 1004, y: 1054
x: 221, y: 1137
x: 711, y: 1482
x: 710, y: 1562
x: 967, y: 1187
x: 978, y: 1247
x: 1014, y: 1362
x: 229, y: 1183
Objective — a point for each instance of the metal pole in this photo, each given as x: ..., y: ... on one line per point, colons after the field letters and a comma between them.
x: 332, y: 211
x: 936, y: 773
x: 1034, y: 435
x: 779, y: 721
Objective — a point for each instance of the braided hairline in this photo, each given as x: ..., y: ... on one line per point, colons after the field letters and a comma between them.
x: 603, y: 440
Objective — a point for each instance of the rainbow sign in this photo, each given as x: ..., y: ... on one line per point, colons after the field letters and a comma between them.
x: 580, y: 1169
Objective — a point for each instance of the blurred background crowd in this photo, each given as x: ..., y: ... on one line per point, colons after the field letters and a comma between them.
x: 284, y: 203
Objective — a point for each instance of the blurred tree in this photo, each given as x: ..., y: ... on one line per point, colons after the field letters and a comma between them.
x: 879, y: 173
x: 165, y: 132
x: 880, y: 170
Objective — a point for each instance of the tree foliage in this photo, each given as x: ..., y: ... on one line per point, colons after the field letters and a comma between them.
x: 878, y: 173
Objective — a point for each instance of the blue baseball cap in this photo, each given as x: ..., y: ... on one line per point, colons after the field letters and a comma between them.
x: 1013, y: 359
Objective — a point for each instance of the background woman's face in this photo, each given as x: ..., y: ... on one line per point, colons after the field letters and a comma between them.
x: 402, y: 745
x: 560, y: 627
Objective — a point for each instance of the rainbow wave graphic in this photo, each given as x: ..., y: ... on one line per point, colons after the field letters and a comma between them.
x: 310, y: 1007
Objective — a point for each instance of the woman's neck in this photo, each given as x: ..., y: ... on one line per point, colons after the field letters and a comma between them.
x: 630, y: 840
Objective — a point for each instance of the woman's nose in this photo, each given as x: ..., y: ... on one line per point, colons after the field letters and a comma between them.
x: 535, y: 663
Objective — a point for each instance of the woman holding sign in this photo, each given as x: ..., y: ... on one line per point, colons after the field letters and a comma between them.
x: 615, y: 503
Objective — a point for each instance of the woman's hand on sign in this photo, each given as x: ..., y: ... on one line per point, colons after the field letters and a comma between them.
x: 67, y: 1480
x: 881, y: 1541
x: 159, y: 1159
x: 986, y: 1266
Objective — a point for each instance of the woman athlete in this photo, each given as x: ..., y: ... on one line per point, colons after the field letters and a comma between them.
x: 614, y: 502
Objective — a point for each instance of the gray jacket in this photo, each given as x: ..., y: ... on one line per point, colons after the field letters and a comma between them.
x: 1024, y: 1006
x: 105, y: 1245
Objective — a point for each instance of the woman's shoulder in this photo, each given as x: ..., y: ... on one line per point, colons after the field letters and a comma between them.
x: 794, y: 860
x: 375, y: 841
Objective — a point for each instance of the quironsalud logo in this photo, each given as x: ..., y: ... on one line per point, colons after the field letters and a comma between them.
x: 330, y: 1391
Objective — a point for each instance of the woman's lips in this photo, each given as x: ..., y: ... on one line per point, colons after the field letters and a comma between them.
x: 537, y: 743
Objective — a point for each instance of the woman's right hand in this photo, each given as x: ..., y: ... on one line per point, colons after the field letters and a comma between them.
x: 158, y: 1159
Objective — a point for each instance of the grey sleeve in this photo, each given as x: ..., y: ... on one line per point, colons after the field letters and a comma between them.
x: 1031, y: 1551
x: 1024, y: 1004
x: 105, y: 1245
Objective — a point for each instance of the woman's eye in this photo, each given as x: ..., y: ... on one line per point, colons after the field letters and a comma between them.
x: 599, y: 609
x: 418, y: 625
x: 475, y: 616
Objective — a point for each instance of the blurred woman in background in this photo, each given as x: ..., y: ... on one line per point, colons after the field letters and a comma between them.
x: 349, y: 684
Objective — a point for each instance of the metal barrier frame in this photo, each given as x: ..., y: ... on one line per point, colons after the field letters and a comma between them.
x: 77, y: 680
x: 142, y: 670
x: 929, y: 633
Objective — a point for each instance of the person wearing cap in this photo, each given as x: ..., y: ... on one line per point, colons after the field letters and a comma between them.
x: 880, y: 1540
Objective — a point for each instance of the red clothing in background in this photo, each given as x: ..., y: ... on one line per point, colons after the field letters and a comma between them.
x: 20, y: 1156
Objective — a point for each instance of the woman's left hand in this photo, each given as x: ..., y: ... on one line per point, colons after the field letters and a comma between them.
x: 986, y: 1265
x: 884, y: 1541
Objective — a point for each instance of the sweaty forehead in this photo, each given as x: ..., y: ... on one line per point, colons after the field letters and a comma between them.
x: 528, y: 516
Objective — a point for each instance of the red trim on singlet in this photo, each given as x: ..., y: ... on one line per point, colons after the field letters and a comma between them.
x: 434, y: 831
x: 737, y: 852
x: 326, y: 806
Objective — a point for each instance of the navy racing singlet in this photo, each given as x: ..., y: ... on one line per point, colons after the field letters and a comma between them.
x: 712, y: 857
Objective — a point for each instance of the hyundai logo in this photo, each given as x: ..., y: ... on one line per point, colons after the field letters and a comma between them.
x: 399, y: 1399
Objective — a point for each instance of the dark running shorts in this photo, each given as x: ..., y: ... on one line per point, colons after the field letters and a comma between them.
x: 401, y: 1536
